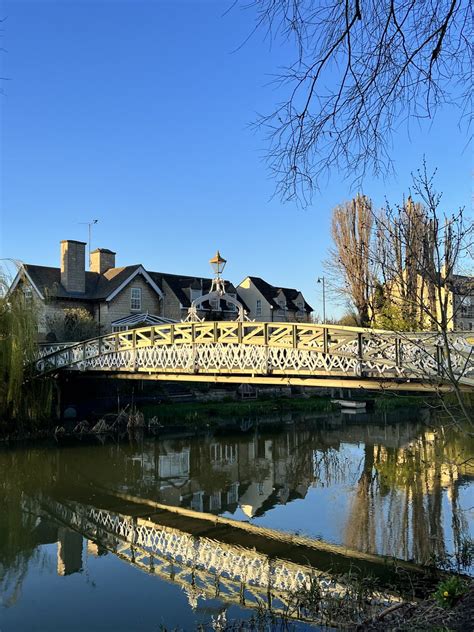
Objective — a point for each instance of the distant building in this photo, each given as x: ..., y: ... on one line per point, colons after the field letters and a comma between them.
x: 118, y: 298
x: 121, y: 298
x: 462, y: 302
x: 269, y: 303
x: 455, y: 292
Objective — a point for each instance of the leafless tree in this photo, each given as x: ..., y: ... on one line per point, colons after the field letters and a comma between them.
x: 350, y: 263
x: 401, y: 268
x: 359, y: 67
x: 422, y: 251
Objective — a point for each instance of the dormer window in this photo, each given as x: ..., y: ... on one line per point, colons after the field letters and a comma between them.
x: 258, y: 308
x: 136, y: 299
x: 195, y: 294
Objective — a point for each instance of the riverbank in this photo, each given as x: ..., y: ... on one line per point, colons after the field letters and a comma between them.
x: 209, y: 413
x: 426, y: 615
x: 268, y: 406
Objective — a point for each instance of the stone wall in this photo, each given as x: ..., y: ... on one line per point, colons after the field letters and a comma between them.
x: 120, y: 305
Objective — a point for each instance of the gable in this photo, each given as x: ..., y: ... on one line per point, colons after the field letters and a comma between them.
x: 140, y: 271
x: 21, y: 276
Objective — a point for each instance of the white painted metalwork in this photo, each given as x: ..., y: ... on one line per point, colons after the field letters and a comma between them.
x: 251, y: 349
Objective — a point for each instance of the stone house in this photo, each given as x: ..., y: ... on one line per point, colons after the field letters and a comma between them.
x: 461, y: 301
x: 270, y: 303
x: 116, y: 297
x: 455, y: 292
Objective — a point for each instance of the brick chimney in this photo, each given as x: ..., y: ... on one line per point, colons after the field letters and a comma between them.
x: 73, y: 271
x: 102, y: 260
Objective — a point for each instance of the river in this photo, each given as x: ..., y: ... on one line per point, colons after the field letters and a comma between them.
x: 107, y: 535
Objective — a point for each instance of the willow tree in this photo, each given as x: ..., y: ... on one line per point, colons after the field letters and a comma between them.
x: 350, y: 259
x: 21, y: 398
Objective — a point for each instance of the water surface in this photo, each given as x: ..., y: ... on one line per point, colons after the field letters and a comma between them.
x: 79, y: 550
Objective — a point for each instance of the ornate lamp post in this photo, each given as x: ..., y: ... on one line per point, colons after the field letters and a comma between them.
x: 216, y: 293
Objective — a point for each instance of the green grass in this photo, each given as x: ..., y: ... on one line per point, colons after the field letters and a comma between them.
x: 198, y: 411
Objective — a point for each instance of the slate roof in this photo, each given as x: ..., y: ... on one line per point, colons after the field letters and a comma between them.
x: 270, y: 292
x: 463, y: 284
x: 100, y: 286
x: 48, y: 282
x: 142, y: 319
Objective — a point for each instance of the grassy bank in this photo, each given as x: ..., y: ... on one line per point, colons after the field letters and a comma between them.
x: 205, y: 411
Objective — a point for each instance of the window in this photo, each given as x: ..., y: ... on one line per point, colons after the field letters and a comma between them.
x: 215, y: 501
x: 215, y: 303
x: 195, y: 294
x: 27, y: 293
x: 136, y: 299
x: 118, y: 328
x: 258, y: 309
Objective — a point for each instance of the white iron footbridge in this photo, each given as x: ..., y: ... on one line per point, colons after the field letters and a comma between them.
x: 272, y: 353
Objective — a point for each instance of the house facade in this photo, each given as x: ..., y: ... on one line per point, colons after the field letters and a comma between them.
x: 454, y: 296
x: 116, y: 297
x: 270, y: 303
x: 461, y: 290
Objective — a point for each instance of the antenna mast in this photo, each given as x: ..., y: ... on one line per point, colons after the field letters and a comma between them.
x: 89, y: 225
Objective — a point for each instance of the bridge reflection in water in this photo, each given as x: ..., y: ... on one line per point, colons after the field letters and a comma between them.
x: 225, y: 566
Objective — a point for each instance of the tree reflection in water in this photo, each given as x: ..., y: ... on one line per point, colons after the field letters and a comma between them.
x: 400, y: 496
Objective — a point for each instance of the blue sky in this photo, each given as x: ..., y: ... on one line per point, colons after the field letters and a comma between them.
x: 137, y: 113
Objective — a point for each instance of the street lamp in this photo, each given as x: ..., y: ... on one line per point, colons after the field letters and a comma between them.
x: 216, y: 293
x: 218, y: 264
x: 323, y: 281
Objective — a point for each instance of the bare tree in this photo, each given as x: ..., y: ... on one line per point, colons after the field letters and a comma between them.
x: 406, y: 238
x: 422, y: 250
x: 350, y: 263
x: 401, y: 270
x: 359, y: 67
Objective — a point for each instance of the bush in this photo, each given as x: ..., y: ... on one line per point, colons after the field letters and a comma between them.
x: 450, y: 591
x: 72, y: 325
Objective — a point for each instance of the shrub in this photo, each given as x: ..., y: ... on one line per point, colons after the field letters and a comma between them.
x: 450, y: 591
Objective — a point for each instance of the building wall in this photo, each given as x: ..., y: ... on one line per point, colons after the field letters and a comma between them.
x: 50, y: 308
x: 119, y: 306
x: 171, y: 305
x: 250, y: 295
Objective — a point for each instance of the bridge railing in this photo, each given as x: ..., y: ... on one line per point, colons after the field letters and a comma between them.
x: 263, y: 347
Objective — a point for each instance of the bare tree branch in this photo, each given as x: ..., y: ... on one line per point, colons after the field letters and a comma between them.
x: 359, y: 67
